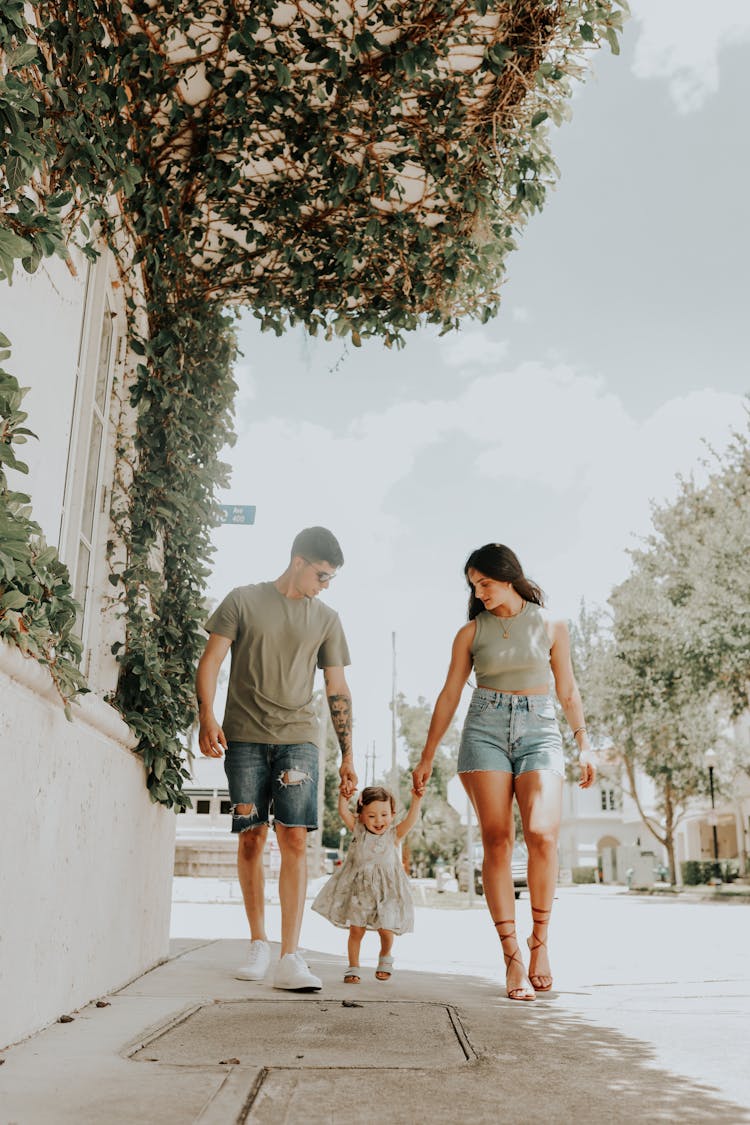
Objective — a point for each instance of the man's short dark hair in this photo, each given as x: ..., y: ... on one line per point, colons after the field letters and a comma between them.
x: 318, y: 544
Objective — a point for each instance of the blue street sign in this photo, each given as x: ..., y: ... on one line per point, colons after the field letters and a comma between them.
x: 238, y: 513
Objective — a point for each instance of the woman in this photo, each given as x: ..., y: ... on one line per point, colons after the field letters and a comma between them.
x: 511, y: 744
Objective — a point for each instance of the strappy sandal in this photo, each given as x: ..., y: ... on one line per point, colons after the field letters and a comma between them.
x: 521, y: 992
x: 536, y: 942
x: 351, y: 976
x: 384, y: 969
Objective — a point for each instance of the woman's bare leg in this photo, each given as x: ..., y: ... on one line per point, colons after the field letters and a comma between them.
x: 491, y: 794
x: 539, y: 796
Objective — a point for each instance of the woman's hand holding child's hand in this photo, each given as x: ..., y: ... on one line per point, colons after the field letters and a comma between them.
x: 420, y: 776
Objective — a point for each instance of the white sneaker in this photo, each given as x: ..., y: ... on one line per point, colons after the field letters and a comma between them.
x: 293, y: 974
x: 257, y: 962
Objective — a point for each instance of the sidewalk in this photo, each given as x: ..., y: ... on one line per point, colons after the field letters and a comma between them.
x: 187, y: 1043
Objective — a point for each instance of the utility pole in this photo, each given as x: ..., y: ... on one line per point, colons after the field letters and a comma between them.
x: 370, y: 768
x: 394, y: 768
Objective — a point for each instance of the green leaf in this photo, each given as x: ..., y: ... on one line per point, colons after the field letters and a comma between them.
x: 57, y: 202
x: 283, y: 75
x: 22, y: 56
x: 13, y: 246
x: 15, y: 171
x: 613, y: 41
x: 13, y: 599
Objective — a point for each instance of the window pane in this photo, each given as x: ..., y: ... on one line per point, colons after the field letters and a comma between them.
x: 81, y: 585
x: 102, y: 368
x: 203, y: 807
x: 92, y: 477
x: 226, y: 807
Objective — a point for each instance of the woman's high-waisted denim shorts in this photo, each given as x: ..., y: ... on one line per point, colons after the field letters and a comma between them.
x: 510, y: 733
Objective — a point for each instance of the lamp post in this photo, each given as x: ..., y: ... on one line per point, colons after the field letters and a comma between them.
x: 710, y: 759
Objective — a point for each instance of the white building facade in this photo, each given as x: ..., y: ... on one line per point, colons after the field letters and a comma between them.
x: 602, y: 833
x: 86, y: 899
x: 602, y: 829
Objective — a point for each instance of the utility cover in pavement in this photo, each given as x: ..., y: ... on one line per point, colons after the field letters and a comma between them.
x: 312, y: 1033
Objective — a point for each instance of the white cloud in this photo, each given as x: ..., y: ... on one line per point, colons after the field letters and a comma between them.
x: 246, y: 393
x: 542, y: 424
x: 559, y: 467
x: 681, y: 40
x: 472, y: 346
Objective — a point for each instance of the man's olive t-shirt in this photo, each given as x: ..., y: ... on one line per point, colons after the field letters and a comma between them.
x: 277, y: 643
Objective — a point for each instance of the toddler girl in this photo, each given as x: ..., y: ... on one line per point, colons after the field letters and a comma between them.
x: 370, y: 891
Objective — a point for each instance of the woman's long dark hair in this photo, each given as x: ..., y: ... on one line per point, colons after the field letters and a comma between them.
x: 497, y: 561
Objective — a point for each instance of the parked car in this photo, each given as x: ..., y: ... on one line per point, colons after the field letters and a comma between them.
x: 518, y: 863
x: 331, y: 861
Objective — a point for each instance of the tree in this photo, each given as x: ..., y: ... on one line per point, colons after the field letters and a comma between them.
x: 642, y: 701
x: 438, y: 834
x: 699, y: 548
x: 664, y: 675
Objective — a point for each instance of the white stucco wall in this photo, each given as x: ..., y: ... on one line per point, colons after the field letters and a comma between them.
x: 85, y: 879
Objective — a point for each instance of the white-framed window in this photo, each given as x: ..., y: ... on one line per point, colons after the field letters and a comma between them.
x: 87, y: 487
x: 609, y: 803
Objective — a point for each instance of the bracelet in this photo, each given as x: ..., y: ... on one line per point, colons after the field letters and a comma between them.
x: 578, y: 731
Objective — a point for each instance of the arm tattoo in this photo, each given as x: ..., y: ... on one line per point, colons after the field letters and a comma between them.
x: 341, y: 716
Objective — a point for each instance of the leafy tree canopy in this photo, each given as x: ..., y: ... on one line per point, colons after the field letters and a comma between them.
x: 667, y: 671
x: 354, y: 167
x: 358, y: 168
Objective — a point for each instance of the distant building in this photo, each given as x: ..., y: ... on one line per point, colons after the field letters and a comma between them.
x: 731, y: 815
x: 603, y: 829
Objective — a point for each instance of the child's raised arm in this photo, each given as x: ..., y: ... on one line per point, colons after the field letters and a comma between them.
x: 345, y: 812
x: 411, y: 817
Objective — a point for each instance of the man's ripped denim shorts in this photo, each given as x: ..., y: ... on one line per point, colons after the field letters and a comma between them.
x: 510, y: 733
x: 281, y: 781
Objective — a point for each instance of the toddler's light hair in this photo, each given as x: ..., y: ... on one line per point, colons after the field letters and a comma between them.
x: 375, y: 793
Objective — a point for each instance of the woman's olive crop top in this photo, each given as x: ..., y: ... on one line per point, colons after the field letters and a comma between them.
x: 518, y: 662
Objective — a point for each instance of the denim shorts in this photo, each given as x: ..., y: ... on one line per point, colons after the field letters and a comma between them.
x: 510, y: 733
x: 278, y: 781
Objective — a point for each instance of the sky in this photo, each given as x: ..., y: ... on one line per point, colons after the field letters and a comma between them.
x: 620, y: 349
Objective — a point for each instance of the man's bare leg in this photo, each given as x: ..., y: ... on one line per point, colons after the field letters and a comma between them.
x: 252, y: 880
x: 292, y: 883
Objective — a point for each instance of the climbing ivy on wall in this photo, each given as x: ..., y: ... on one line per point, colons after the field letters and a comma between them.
x: 37, y: 612
x: 183, y: 391
x: 359, y: 169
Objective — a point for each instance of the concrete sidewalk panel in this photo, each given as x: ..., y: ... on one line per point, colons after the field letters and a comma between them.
x: 312, y: 1033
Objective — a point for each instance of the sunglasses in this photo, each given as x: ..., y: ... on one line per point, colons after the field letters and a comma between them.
x: 321, y: 575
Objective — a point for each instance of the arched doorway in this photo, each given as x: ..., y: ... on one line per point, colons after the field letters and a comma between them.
x: 606, y: 851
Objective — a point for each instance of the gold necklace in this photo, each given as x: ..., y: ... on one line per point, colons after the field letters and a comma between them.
x: 506, y: 622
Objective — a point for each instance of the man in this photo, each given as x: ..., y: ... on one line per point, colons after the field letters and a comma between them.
x: 279, y: 633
